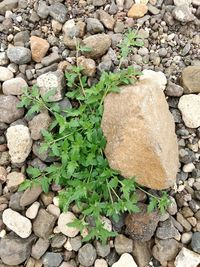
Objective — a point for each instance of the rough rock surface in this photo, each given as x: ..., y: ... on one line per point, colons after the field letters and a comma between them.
x: 154, y: 161
x: 191, y: 79
x: 39, y: 48
x: 19, y: 143
x: 14, y: 86
x: 19, y: 55
x: 187, y: 258
x: 38, y: 123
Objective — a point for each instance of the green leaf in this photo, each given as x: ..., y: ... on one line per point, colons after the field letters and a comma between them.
x: 45, y: 184
x: 25, y: 185
x: 33, y: 172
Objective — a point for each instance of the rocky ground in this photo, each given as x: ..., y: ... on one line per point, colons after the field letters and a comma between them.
x: 37, y: 46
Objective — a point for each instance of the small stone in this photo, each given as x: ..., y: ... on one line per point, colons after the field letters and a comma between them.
x: 126, y: 260
x: 58, y: 241
x: 17, y: 223
x: 32, y: 211
x: 172, y: 208
x: 51, y: 259
x: 14, y: 86
x: 39, y: 248
x: 19, y: 55
x: 99, y: 45
x: 37, y: 124
x: 157, y: 76
x: 141, y: 253
x: 53, y: 210
x: 47, y: 198
x: 43, y: 10
x: 8, y: 109
x: 14, y: 202
x: 100, y: 263
x: 63, y: 220
x: 3, y: 59
x: 173, y: 89
x: 88, y: 65
x: 165, y: 250
x: 76, y: 243
x: 183, y: 13
x: 87, y: 255
x: 94, y: 26
x: 187, y: 258
x: 19, y: 143
x: 182, y: 2
x: 58, y: 11
x: 188, y: 167
x: 142, y: 225
x: 137, y: 11
x: 30, y: 195
x: 99, y: 2
x: 183, y: 222
x: 39, y: 48
x: 167, y: 230
x: 51, y: 59
x: 14, y: 179
x: 191, y: 79
x: 123, y: 244
x: 43, y: 224
x: 189, y: 107
x: 186, y: 238
x: 102, y: 250
x: 195, y: 244
x: 3, y: 174
x: 52, y: 81
x: 15, y: 250
x: 5, y: 74
x: 107, y: 20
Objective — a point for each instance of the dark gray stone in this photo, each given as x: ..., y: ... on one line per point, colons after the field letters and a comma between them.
x: 195, y: 244
x: 19, y: 55
x: 58, y: 11
x: 87, y: 255
x: 51, y: 259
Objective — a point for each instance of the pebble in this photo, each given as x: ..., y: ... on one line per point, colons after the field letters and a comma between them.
x: 167, y: 230
x: 126, y: 260
x: 51, y: 59
x: 195, y: 244
x: 76, y: 243
x: 188, y: 167
x: 39, y: 48
x: 30, y: 195
x: 17, y: 223
x: 32, y: 211
x: 39, y: 248
x: 173, y: 89
x: 58, y: 11
x: 19, y: 55
x: 5, y: 74
x: 14, y: 179
x: 187, y: 226
x: 186, y: 238
x: 123, y: 244
x: 189, y: 107
x: 37, y: 124
x: 14, y: 86
x: 102, y: 250
x: 54, y: 210
x: 156, y: 76
x: 88, y: 65
x: 51, y: 80
x: 107, y: 20
x: 100, y: 263
x: 137, y: 11
x: 58, y: 241
x: 3, y: 174
x: 3, y: 59
x: 187, y: 258
x: 19, y: 143
x: 63, y: 220
x: 190, y: 79
x: 51, y: 259
x: 183, y: 13
x: 87, y: 255
x: 172, y: 208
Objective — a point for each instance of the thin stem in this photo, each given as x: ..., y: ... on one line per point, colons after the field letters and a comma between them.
x: 111, y: 198
x: 146, y: 192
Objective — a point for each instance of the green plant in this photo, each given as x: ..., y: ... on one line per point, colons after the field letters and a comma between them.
x: 77, y: 141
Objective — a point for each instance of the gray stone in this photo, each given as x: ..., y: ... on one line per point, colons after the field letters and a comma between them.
x: 107, y: 20
x: 58, y: 241
x: 187, y: 258
x: 43, y: 224
x: 3, y: 59
x: 30, y: 195
x: 183, y: 13
x: 52, y: 81
x: 102, y: 250
x: 7, y: 5
x: 141, y: 253
x: 14, y: 202
x: 52, y: 67
x: 8, y: 109
x: 167, y: 230
x: 51, y: 259
x: 123, y: 244
x: 173, y: 89
x: 14, y: 86
x: 39, y: 248
x: 19, y: 55
x: 51, y: 59
x: 87, y: 255
x: 94, y: 26
x: 5, y: 74
x: 15, y: 250
x: 37, y: 124
x: 58, y: 11
x: 99, y: 2
x: 195, y: 244
x: 43, y: 10
x: 21, y: 38
x: 76, y: 242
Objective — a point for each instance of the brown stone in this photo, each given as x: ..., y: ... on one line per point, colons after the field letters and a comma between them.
x: 191, y: 79
x: 142, y: 225
x: 30, y: 195
x: 141, y: 253
x: 137, y: 11
x: 140, y: 133
x: 39, y: 48
x: 3, y: 174
x: 88, y: 65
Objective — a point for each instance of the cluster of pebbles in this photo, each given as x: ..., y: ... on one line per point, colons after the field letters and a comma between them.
x: 37, y: 45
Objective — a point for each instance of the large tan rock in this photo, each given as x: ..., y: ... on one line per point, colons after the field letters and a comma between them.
x: 140, y: 135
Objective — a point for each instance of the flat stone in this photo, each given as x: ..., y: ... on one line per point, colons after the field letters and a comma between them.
x: 126, y: 260
x: 99, y: 45
x: 99, y: 2
x: 14, y: 202
x: 51, y: 59
x: 19, y: 55
x: 39, y: 48
x: 187, y: 258
x: 52, y: 259
x: 17, y: 223
x: 32, y: 211
x: 14, y: 86
x: 15, y: 250
x: 14, y: 179
x: 141, y: 225
x: 167, y: 230
x: 183, y: 222
x: 190, y: 79
x: 52, y: 81
x: 137, y: 11
x: 141, y: 253
x: 43, y: 224
x: 5, y: 74
x: 30, y: 195
x: 183, y: 13
x: 43, y: 9
x: 166, y: 250
x: 37, y: 124
x: 63, y: 220
x: 39, y: 248
x: 87, y: 255
x: 136, y: 135
x: 189, y: 107
x: 19, y: 143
